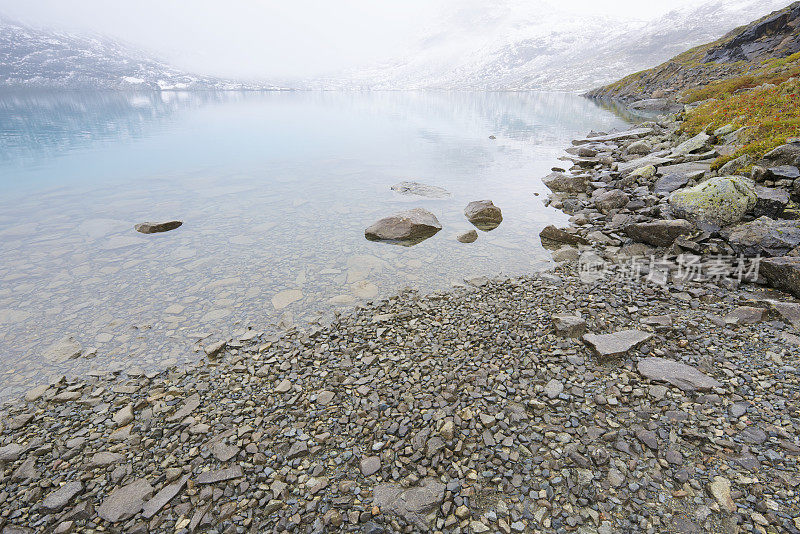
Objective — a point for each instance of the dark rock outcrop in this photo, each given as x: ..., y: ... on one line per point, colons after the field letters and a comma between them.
x: 783, y: 273
x: 764, y: 237
x: 659, y: 233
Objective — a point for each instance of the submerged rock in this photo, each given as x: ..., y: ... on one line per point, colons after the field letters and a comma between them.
x: 411, y: 226
x: 764, y: 237
x: 157, y: 227
x: 715, y: 203
x: 468, y: 237
x: 66, y: 349
x: 420, y: 190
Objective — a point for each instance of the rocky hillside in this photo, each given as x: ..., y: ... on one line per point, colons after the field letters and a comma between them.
x: 544, y: 45
x: 746, y: 56
x: 36, y: 58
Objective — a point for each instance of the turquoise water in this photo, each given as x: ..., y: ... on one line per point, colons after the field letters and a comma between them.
x: 275, y: 190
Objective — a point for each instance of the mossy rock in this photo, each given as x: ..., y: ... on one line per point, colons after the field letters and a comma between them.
x: 715, y: 203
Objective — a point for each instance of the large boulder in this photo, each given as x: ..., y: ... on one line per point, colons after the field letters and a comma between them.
x: 782, y: 273
x: 559, y: 182
x: 483, y: 214
x: 659, y: 233
x: 611, y: 200
x: 770, y: 201
x: 715, y: 203
x: 409, y: 226
x: 788, y: 154
x: 764, y: 237
x: 420, y: 190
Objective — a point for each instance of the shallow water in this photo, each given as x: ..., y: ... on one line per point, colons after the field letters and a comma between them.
x: 275, y: 190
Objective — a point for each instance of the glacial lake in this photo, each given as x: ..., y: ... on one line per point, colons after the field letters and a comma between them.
x: 274, y: 190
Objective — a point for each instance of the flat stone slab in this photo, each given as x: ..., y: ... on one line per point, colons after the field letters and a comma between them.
x: 186, y: 409
x: 678, y: 374
x: 630, y: 134
x: 161, y: 498
x: 617, y: 344
x: 125, y: 502
x: 210, y: 477
x: 629, y: 166
x: 58, y: 499
x: 416, y: 505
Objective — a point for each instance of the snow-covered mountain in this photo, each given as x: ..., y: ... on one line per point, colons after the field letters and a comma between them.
x: 518, y: 44
x: 37, y: 58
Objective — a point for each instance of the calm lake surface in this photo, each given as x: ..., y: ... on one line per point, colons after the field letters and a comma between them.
x: 275, y: 191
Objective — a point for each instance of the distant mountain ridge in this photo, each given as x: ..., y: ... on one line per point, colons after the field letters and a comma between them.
x: 757, y: 52
x: 37, y: 58
x: 518, y: 45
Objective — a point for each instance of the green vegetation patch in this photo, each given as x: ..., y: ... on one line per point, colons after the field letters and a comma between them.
x: 769, y: 114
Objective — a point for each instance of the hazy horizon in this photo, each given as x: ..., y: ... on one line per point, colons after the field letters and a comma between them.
x: 275, y: 40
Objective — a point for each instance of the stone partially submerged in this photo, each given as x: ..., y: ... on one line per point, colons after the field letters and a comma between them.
x: 407, y: 227
x: 552, y: 234
x: 678, y: 374
x: 483, y: 214
x: 715, y: 203
x: 157, y: 227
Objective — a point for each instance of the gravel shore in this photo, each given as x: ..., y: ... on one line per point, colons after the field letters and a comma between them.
x: 469, y: 411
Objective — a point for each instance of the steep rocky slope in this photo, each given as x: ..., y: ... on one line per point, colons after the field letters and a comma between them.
x: 749, y: 54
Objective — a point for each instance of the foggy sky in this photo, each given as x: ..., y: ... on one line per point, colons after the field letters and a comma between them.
x: 261, y: 39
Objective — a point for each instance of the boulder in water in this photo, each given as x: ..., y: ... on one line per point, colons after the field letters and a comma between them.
x: 483, y: 214
x: 406, y: 227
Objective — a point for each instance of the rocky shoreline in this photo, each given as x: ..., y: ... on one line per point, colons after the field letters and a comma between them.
x: 590, y: 399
